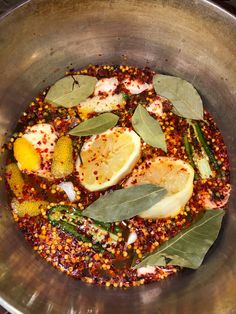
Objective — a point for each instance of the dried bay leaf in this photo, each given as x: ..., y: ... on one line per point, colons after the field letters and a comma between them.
x: 184, y: 97
x: 188, y: 248
x: 71, y: 90
x: 95, y: 125
x: 148, y: 128
x: 124, y: 203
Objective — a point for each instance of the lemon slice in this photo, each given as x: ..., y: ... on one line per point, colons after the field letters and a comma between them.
x: 108, y: 157
x: 173, y: 174
x: 101, y: 104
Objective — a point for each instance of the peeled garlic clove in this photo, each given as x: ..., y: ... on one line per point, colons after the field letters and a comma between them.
x: 146, y: 270
x: 132, y: 238
x: 68, y: 188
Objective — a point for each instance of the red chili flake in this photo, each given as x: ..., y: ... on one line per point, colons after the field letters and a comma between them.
x: 67, y: 253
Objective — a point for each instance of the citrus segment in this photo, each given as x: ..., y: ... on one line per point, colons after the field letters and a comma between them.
x: 30, y: 208
x: 62, y: 163
x: 15, y: 179
x: 26, y: 155
x: 101, y: 104
x: 43, y: 139
x: 174, y: 175
x: 108, y: 157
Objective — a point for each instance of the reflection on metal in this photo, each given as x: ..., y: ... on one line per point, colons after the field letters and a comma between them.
x: 32, y: 298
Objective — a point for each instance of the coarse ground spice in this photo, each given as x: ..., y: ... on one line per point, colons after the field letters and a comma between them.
x: 112, y: 267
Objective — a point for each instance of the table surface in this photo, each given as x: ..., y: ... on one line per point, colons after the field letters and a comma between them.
x: 6, y: 5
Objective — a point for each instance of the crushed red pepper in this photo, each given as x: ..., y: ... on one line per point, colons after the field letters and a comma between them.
x: 78, y: 259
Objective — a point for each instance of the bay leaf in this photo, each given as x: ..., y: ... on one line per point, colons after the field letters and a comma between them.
x: 71, y: 90
x: 183, y: 96
x: 148, y: 128
x: 188, y: 248
x: 95, y: 125
x: 124, y: 203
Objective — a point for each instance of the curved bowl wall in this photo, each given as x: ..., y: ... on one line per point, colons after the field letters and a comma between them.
x: 39, y: 41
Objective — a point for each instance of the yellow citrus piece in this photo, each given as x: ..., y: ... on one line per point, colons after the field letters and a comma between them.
x: 101, y: 104
x: 31, y: 208
x: 15, y: 179
x: 26, y: 155
x: 108, y: 157
x: 43, y: 137
x: 62, y: 163
x: 173, y: 174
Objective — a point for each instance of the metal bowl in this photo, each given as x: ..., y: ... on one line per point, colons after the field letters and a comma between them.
x: 195, y: 40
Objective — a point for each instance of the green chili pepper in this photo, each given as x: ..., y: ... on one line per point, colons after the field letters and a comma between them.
x: 189, y: 150
x: 69, y: 219
x: 71, y: 229
x: 58, y: 212
x: 104, y: 225
x: 206, y: 148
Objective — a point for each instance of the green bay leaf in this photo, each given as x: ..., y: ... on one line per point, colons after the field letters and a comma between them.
x: 148, y: 128
x: 95, y: 125
x: 188, y: 248
x: 124, y: 203
x: 183, y: 96
x: 71, y: 90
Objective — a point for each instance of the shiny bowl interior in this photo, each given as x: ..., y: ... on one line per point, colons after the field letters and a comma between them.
x: 39, y: 41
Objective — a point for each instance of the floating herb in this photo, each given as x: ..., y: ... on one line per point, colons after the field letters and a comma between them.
x: 125, y: 203
x: 71, y: 90
x: 148, y: 128
x: 95, y: 125
x: 184, y: 97
x: 189, y: 247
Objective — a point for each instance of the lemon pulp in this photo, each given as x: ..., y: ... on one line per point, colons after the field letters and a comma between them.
x: 108, y: 157
x: 173, y: 174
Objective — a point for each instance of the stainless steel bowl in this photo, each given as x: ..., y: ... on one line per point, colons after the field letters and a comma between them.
x: 193, y: 39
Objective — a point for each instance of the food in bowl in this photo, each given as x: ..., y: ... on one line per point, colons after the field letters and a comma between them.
x: 118, y: 176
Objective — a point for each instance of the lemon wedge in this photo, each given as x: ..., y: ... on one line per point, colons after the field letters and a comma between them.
x: 173, y: 174
x: 27, y: 156
x: 42, y: 139
x: 101, y: 104
x: 108, y: 157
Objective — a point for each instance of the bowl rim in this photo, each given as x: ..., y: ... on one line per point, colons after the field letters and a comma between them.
x: 13, y: 8
x: 211, y: 5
